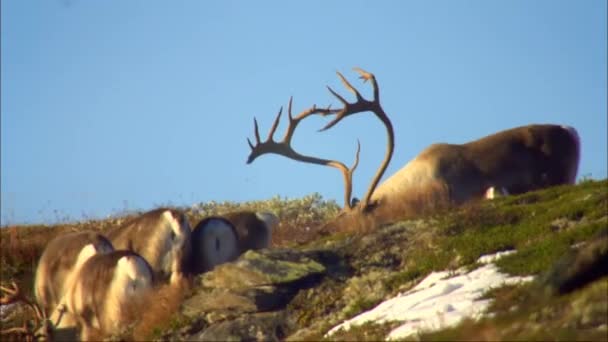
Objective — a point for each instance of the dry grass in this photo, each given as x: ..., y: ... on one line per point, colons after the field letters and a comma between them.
x: 157, y: 308
x: 421, y: 202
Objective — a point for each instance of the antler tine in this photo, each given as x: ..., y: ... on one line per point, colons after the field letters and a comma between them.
x: 367, y: 76
x: 256, y: 130
x: 12, y: 296
x: 289, y: 108
x: 275, y: 124
x: 342, y: 99
x: 285, y: 149
x: 356, y: 163
x: 360, y: 105
x: 349, y: 86
x: 363, y: 105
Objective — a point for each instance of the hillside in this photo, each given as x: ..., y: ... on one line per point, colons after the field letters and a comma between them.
x: 314, y: 278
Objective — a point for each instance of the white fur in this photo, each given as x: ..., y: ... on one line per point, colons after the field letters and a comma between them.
x: 86, y: 253
x: 56, y: 283
x: 178, y: 245
x: 163, y: 241
x: 494, y: 192
x: 60, y: 316
x: 131, y: 280
x: 219, y: 244
x: 173, y: 223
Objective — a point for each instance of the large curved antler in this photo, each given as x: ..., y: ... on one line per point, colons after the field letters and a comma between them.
x: 363, y: 105
x: 284, y: 146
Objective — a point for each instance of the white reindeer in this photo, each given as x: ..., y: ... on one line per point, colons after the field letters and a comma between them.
x: 515, y: 161
x: 162, y: 237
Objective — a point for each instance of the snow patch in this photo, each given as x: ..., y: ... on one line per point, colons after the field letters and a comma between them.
x: 441, y: 300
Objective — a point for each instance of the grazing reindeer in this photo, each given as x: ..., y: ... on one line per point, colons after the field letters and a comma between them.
x: 220, y: 239
x: 253, y: 229
x: 214, y: 242
x: 516, y: 160
x: 62, y: 257
x: 106, y: 291
x: 162, y: 237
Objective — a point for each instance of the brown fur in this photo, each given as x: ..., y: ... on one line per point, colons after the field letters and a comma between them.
x: 252, y: 233
x: 91, y: 300
x: 418, y: 202
x: 518, y: 160
x: 148, y: 235
x: 57, y: 262
x: 223, y: 248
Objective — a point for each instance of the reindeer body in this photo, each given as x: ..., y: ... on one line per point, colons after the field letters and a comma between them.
x: 517, y: 160
x: 62, y: 257
x: 214, y: 242
x: 220, y: 239
x: 509, y: 162
x: 160, y: 236
x: 106, y: 291
x: 253, y: 229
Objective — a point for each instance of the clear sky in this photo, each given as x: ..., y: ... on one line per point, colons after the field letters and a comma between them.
x: 128, y: 105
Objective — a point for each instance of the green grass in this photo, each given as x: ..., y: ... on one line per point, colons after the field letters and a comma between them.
x: 542, y: 226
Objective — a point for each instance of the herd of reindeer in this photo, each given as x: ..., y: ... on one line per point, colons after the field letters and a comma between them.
x: 87, y: 280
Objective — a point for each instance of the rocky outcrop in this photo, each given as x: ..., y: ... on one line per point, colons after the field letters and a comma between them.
x: 246, y: 299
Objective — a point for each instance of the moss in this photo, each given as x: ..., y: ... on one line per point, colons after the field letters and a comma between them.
x: 365, y: 332
x: 541, y: 225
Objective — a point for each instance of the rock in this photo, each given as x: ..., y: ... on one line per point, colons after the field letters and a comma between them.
x: 256, y: 327
x: 244, y: 300
x: 579, y: 267
x: 263, y: 268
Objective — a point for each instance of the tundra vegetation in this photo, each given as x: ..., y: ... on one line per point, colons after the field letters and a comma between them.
x: 324, y: 275
x: 326, y: 264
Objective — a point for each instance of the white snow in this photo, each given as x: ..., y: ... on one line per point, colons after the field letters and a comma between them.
x: 441, y: 300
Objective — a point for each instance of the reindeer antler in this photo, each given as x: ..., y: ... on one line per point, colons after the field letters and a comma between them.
x: 13, y: 295
x: 284, y: 146
x: 363, y: 105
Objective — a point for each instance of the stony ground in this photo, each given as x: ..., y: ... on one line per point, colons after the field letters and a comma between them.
x: 315, y: 280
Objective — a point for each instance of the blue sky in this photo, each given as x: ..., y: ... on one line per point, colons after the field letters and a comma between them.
x: 128, y: 105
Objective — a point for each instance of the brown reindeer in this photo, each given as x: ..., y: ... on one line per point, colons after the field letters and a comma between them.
x: 162, y: 236
x: 62, y: 257
x: 107, y: 291
x: 220, y: 239
x: 514, y: 161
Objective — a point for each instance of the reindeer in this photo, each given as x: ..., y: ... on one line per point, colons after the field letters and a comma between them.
x: 514, y: 161
x: 220, y: 239
x: 162, y: 237
x: 106, y: 292
x: 253, y: 229
x: 214, y: 242
x: 62, y: 257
